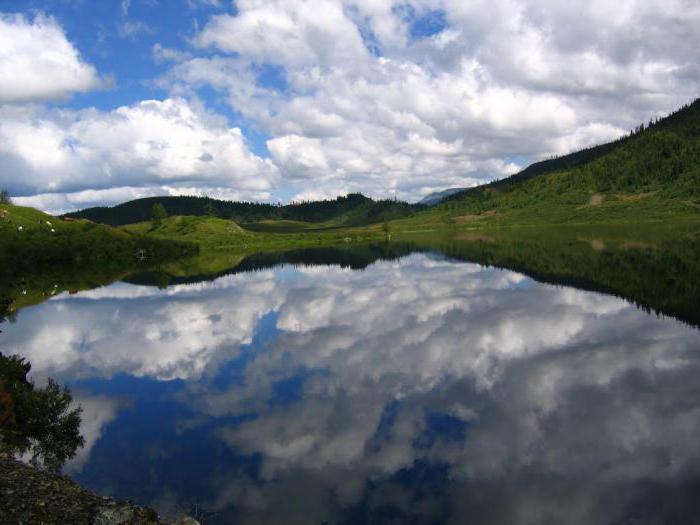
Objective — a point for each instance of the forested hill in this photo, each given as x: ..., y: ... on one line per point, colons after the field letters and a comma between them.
x: 351, y: 210
x: 661, y: 158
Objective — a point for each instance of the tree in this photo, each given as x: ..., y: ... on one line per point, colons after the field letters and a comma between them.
x: 5, y: 197
x: 209, y: 209
x: 158, y: 213
x: 386, y: 229
x: 36, y: 421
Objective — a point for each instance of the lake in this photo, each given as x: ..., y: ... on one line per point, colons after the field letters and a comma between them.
x: 410, y: 383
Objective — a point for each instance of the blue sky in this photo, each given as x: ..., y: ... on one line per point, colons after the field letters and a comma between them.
x: 280, y: 100
x: 118, y: 39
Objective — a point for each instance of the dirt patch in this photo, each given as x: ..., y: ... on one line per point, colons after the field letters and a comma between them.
x: 631, y: 245
x: 474, y: 237
x: 634, y: 197
x: 597, y: 245
x: 596, y: 199
x: 474, y: 217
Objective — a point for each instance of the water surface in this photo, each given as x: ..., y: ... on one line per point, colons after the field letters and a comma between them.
x: 407, y: 387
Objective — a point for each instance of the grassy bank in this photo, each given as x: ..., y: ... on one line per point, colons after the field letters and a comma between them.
x: 28, y: 236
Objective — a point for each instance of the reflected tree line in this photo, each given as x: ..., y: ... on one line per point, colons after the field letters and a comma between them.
x: 660, y: 277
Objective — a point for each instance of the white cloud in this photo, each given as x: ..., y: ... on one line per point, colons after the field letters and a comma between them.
x: 353, y: 99
x: 38, y: 63
x: 97, y: 413
x: 504, y: 79
x: 150, y: 144
x: 289, y: 33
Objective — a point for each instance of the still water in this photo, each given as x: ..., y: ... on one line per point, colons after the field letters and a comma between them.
x: 417, y: 388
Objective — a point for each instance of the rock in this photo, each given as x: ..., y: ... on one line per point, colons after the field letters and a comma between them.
x: 187, y: 521
x: 30, y: 495
x: 114, y: 515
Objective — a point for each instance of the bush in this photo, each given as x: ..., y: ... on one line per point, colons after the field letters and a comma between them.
x: 5, y: 197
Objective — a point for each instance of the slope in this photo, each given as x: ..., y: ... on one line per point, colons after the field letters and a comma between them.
x: 205, y: 231
x: 28, y: 236
x: 654, y: 173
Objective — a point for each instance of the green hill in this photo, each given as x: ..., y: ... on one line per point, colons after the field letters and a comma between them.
x: 28, y: 236
x: 215, y: 236
x: 351, y: 210
x: 205, y: 231
x: 652, y: 173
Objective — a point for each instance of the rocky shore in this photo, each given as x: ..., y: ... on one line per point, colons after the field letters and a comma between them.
x: 31, y: 496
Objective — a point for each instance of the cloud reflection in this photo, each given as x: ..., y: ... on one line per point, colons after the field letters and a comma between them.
x: 498, y: 390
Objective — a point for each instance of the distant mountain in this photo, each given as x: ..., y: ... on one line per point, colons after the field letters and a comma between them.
x: 438, y: 196
x: 351, y: 210
x: 659, y: 160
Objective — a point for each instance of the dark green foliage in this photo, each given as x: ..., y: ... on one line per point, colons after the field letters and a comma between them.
x: 209, y: 209
x: 158, y: 213
x: 5, y: 197
x: 38, y: 421
x: 351, y: 210
x: 36, y: 247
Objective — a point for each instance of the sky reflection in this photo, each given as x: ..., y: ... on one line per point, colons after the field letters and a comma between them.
x: 419, y: 388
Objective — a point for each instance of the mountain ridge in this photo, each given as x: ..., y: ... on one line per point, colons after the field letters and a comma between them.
x: 353, y: 209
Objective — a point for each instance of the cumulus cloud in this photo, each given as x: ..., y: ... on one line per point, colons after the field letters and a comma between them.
x: 383, y: 97
x: 371, y: 103
x: 38, y: 63
x: 148, y: 145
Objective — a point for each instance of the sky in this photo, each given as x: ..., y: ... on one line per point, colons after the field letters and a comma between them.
x: 282, y: 100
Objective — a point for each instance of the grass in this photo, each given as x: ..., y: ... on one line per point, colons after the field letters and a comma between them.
x: 219, y: 235
x: 579, y: 209
x: 28, y: 236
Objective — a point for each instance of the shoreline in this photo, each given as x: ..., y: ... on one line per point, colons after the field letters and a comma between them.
x: 31, y: 495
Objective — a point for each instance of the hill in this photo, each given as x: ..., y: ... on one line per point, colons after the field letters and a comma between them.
x: 351, y: 210
x: 216, y: 236
x: 205, y: 231
x: 28, y: 236
x: 652, y: 173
